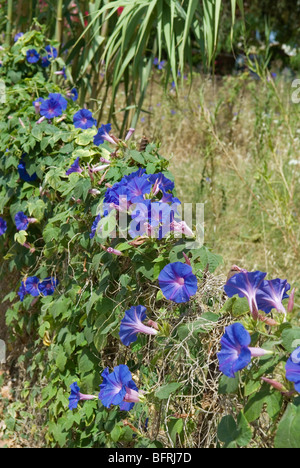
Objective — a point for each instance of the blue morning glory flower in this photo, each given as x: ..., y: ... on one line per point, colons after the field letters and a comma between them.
x: 139, y: 173
x: 62, y: 73
x: 75, y: 168
x: 158, y: 64
x: 118, y: 388
x: 73, y: 94
x: 132, y: 324
x: 32, y: 56
x: 137, y: 188
x: 45, y: 62
x: 246, y: 284
x: 177, y: 282
x: 32, y: 286
x: 235, y: 353
x: 292, y: 369
x: 22, y: 292
x: 21, y: 221
x: 151, y: 218
x: 24, y: 174
x: 103, y: 135
x: 18, y: 36
x: 76, y: 396
x: 84, y: 119
x: 162, y: 181
x: 51, y: 108
x: 52, y: 51
x: 47, y: 286
x: 271, y: 294
x: 60, y: 99
x: 3, y: 226
x: 94, y: 226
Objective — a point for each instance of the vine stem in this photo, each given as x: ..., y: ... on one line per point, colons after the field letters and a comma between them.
x: 59, y: 22
x: 9, y: 21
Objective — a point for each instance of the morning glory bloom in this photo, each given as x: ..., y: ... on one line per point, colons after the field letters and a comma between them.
x: 32, y: 56
x: 45, y: 62
x: 84, y: 119
x: 47, y: 286
x: 292, y: 369
x: 18, y: 36
x: 22, y: 292
x: 22, y: 221
x: 52, y: 51
x: 94, y: 226
x: 162, y: 182
x: 74, y: 168
x: 153, y: 219
x: 235, y: 352
x: 51, y: 108
x: 62, y: 73
x: 139, y: 173
x: 177, y: 282
x: 76, y: 396
x: 271, y: 294
x: 118, y: 388
x: 137, y: 188
x: 132, y: 324
x: 103, y: 134
x: 24, y: 174
x: 73, y: 94
x: 160, y: 65
x: 246, y: 284
x: 32, y: 286
x: 60, y: 99
x: 3, y: 226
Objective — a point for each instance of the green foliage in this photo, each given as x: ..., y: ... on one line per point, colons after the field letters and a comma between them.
x: 128, y: 44
x: 73, y: 335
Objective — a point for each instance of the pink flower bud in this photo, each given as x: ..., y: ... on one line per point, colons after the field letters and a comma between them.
x: 278, y: 386
x: 153, y: 324
x: 130, y: 133
x: 291, y: 303
x: 187, y: 260
x: 99, y: 168
x: 94, y: 192
x: 114, y: 251
x: 106, y: 161
x: 267, y: 320
x: 41, y: 120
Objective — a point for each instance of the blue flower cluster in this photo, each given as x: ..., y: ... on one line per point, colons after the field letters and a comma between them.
x: 117, y: 388
x: 33, y: 56
x: 53, y: 106
x: 34, y: 286
x: 262, y: 295
x: 149, y: 200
